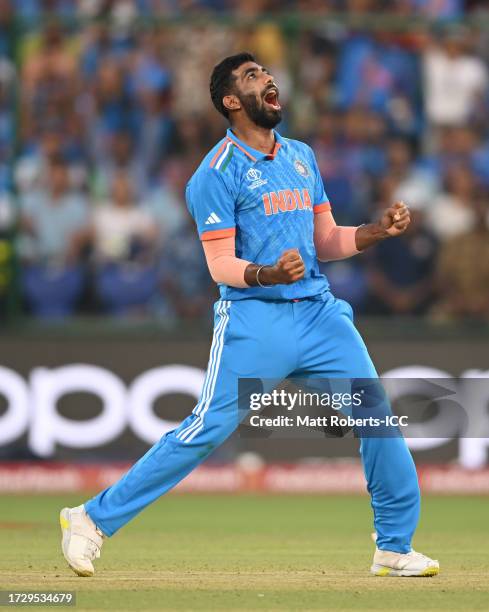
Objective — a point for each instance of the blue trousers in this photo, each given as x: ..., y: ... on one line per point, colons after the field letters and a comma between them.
x: 260, y: 339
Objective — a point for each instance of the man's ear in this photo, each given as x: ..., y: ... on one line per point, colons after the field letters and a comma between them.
x: 231, y: 102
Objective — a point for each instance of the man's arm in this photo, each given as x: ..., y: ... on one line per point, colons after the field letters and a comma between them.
x: 393, y: 222
x: 338, y: 242
x: 228, y: 269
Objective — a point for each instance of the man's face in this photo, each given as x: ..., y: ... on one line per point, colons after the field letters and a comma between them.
x: 258, y: 94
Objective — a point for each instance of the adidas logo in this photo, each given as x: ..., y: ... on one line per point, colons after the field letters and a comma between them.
x: 213, y: 218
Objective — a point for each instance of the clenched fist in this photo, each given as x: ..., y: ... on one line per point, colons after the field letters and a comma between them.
x: 396, y: 219
x: 288, y: 269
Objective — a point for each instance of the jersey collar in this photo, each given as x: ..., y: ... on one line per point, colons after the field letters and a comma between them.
x: 253, y: 153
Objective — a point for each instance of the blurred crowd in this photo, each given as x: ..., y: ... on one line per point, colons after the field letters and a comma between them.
x: 129, y: 9
x: 102, y: 122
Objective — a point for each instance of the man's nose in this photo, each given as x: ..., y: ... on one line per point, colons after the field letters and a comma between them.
x: 269, y: 79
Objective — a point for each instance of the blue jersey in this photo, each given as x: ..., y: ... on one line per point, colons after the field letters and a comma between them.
x: 267, y: 202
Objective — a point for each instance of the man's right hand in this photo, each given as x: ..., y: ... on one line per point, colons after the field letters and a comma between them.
x: 288, y: 269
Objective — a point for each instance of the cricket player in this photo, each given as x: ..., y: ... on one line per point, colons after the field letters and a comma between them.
x: 264, y: 221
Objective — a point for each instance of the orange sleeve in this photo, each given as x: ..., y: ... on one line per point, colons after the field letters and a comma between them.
x: 217, y: 234
x: 319, y: 208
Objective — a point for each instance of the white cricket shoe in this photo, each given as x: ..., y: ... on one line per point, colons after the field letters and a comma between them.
x: 388, y: 563
x: 82, y: 540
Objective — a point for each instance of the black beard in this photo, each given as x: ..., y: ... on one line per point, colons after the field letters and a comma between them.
x: 260, y: 115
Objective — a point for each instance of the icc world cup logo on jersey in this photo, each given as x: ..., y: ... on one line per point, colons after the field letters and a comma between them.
x: 254, y: 176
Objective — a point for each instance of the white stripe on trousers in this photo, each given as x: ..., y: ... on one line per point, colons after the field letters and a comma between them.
x: 209, y: 375
x: 210, y: 366
x: 191, y: 430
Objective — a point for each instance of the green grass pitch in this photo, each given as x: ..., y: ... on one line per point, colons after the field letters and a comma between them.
x: 203, y: 552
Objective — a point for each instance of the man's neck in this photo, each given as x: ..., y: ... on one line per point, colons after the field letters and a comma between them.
x: 260, y: 139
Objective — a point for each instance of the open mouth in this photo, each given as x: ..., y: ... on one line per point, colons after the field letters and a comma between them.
x: 271, y: 99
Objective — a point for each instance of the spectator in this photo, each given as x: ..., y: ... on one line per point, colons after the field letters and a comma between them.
x: 49, y: 81
x: 464, y: 145
x: 380, y: 75
x: 123, y: 230
x: 415, y: 184
x: 454, y: 80
x: 121, y: 158
x: 110, y: 110
x: 52, y: 143
x: 193, y: 291
x: 191, y: 138
x: 124, y: 238
x: 179, y: 247
x: 316, y: 90
x: 97, y: 45
x: 455, y: 146
x: 53, y: 221
x: 193, y: 63
x: 401, y: 271
x: 150, y: 81
x: 452, y: 213
x: 340, y: 147
x: 166, y: 201
x: 463, y: 269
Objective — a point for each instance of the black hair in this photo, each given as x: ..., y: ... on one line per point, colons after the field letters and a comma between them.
x: 222, y: 79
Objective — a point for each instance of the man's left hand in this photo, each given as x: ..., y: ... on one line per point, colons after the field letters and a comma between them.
x: 396, y: 219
